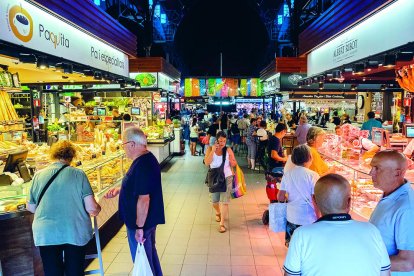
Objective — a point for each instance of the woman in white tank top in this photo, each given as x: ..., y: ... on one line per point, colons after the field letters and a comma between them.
x: 214, y: 159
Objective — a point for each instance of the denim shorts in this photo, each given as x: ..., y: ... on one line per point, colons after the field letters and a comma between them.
x: 223, y: 197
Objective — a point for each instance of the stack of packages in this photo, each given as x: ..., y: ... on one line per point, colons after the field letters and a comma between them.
x: 7, y: 111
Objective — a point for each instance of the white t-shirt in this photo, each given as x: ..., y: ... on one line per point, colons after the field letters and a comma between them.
x: 339, y: 248
x: 299, y: 183
x: 217, y: 160
x: 262, y: 133
x: 194, y: 131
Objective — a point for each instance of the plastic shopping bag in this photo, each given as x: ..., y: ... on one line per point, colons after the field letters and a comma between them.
x: 239, y: 184
x: 277, y: 216
x: 141, y: 264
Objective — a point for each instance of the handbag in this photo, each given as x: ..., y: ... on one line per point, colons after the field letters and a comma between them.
x: 215, y: 179
x: 48, y: 184
x: 277, y: 216
x: 239, y: 184
x: 141, y: 264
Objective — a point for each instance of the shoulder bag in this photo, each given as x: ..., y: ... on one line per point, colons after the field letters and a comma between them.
x: 215, y: 179
x: 48, y: 184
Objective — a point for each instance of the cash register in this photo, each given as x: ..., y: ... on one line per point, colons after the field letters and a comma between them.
x: 15, y: 163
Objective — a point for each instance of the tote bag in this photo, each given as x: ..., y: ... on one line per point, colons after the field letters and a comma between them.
x: 239, y: 184
x: 277, y: 216
x: 141, y: 264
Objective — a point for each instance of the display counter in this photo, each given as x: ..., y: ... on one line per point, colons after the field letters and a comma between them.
x: 18, y: 255
x: 161, y: 149
x: 365, y: 196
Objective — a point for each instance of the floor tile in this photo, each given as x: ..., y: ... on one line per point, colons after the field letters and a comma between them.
x: 243, y: 270
x: 172, y: 259
x: 193, y: 270
x: 242, y: 260
x: 215, y: 270
x: 195, y: 259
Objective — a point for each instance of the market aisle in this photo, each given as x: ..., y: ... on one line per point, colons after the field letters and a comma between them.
x: 189, y: 244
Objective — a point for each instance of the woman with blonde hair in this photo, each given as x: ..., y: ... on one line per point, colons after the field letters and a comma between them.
x: 62, y: 201
x: 315, y: 138
x: 302, y: 130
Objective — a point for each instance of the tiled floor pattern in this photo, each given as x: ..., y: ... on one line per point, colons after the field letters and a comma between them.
x: 189, y: 243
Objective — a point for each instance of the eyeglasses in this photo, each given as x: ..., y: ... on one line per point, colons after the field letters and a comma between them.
x: 123, y: 144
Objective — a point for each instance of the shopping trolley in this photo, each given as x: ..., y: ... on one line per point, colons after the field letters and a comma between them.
x: 98, y: 255
x: 272, y: 179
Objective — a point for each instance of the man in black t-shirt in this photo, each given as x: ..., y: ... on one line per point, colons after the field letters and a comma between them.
x: 277, y: 159
x: 141, y: 204
x: 212, y: 130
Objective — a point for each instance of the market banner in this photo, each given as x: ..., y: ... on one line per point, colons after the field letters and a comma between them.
x: 195, y: 92
x: 211, y: 87
x: 243, y: 87
x: 325, y: 96
x: 187, y: 88
x: 233, y: 86
x: 253, y: 87
x: 202, y: 87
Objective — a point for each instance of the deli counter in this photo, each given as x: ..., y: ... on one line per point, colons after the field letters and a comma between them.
x: 18, y: 255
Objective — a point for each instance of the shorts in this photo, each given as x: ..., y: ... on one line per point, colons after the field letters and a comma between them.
x: 235, y: 139
x: 194, y: 139
x: 223, y: 197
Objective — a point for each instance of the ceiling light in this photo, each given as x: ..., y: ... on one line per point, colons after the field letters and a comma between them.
x: 97, y: 75
x: 354, y: 87
x: 336, y: 74
x: 27, y: 58
x: 42, y: 63
x: 320, y: 78
x: 321, y: 86
x: 348, y: 70
x: 389, y: 60
x: 383, y: 87
x: 404, y: 56
x: 137, y: 85
x: 359, y: 69
x: 88, y: 73
x: 329, y: 76
x: 371, y: 64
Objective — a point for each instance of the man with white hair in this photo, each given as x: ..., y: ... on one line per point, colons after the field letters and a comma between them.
x: 141, y: 205
x: 335, y: 244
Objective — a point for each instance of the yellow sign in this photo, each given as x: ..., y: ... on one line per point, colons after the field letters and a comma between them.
x: 21, y: 23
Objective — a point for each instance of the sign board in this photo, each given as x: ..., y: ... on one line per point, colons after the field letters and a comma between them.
x: 24, y: 23
x: 290, y: 81
x: 387, y: 29
x: 146, y: 80
x: 322, y: 96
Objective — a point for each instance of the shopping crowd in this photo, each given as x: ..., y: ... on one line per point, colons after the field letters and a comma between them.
x: 321, y: 236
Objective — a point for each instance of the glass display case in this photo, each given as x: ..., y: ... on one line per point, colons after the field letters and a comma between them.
x: 103, y: 172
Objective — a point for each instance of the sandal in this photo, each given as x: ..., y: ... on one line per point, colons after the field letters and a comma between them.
x: 222, y: 229
x: 218, y: 217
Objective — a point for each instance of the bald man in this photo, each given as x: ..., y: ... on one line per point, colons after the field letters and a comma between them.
x: 394, y: 214
x: 335, y: 244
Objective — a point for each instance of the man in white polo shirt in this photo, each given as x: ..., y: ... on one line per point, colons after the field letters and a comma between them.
x: 335, y: 244
x: 394, y: 214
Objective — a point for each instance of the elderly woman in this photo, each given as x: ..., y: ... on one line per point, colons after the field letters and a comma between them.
x: 315, y: 138
x: 214, y: 159
x: 62, y: 225
x: 297, y: 187
x: 302, y: 130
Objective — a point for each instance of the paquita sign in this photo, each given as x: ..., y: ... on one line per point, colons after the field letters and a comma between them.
x: 26, y: 24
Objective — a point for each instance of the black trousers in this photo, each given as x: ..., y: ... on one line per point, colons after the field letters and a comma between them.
x: 63, y: 259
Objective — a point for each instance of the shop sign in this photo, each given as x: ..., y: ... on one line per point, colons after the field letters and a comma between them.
x: 105, y: 86
x: 290, y: 81
x: 321, y: 96
x: 26, y: 24
x: 146, y: 80
x: 407, y: 101
x: 372, y: 36
x: 272, y: 85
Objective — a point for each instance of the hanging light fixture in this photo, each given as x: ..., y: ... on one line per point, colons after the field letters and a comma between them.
x: 389, y: 60
x: 354, y: 87
x: 336, y: 74
x: 321, y: 86
x: 371, y: 64
x: 42, y: 63
x: 359, y: 69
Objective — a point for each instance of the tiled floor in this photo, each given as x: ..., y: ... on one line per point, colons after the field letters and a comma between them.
x: 189, y: 243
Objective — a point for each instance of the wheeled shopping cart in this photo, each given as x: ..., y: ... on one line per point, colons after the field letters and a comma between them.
x: 98, y: 255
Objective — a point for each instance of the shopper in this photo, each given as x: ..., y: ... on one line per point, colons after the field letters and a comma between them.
x: 194, y: 131
x: 290, y: 122
x: 370, y: 123
x: 263, y: 139
x: 243, y: 124
x: 298, y: 186
x: 212, y: 130
x: 62, y: 225
x: 251, y: 143
x: 336, y: 244
x: 141, y: 204
x: 345, y: 119
x: 224, y: 122
x: 394, y: 214
x: 315, y: 138
x: 235, y: 135
x: 302, y: 130
x: 277, y: 158
x: 214, y: 159
x: 335, y: 118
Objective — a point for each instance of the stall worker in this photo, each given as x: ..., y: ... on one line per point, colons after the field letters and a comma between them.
x: 277, y: 158
x: 370, y: 123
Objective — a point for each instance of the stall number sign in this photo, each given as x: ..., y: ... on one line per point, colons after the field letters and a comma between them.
x: 25, y: 24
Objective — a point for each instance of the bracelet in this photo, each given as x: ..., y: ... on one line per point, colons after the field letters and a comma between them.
x: 139, y: 228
